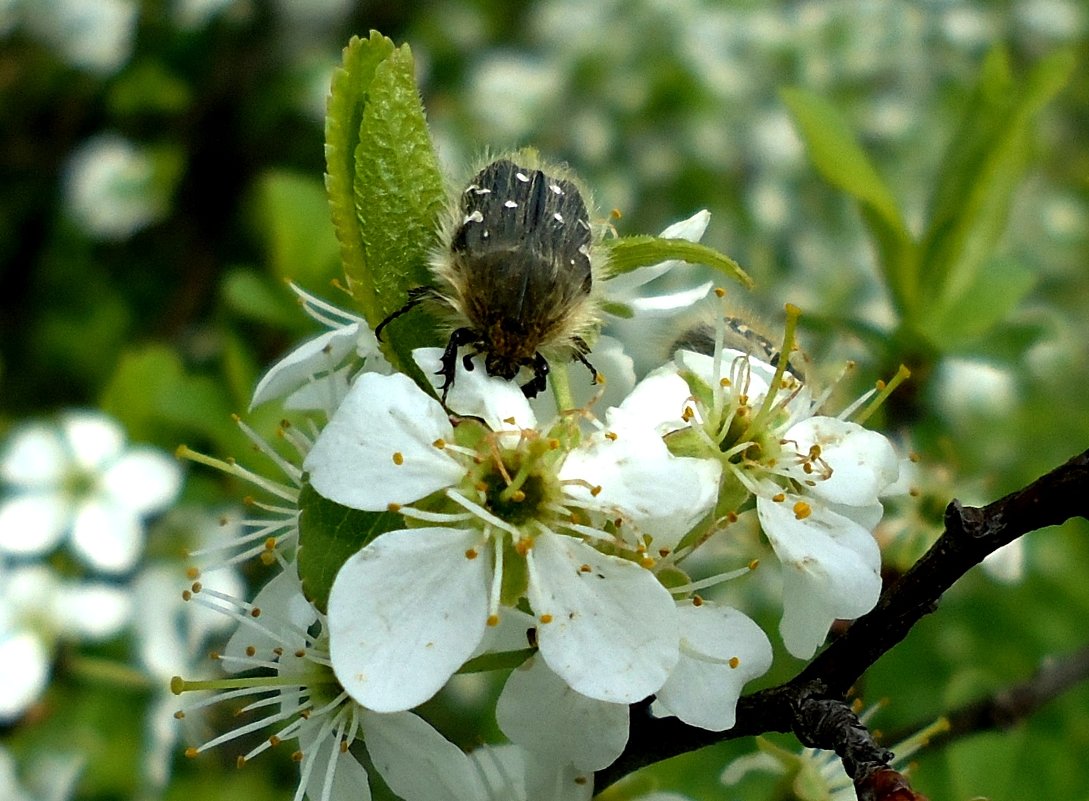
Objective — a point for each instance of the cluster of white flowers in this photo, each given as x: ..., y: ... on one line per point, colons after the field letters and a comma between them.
x: 558, y: 538
x: 72, y: 482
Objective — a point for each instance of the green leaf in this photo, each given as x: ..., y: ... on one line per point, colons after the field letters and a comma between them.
x: 251, y: 295
x: 836, y: 154
x: 399, y: 195
x: 293, y: 213
x: 628, y: 253
x: 155, y: 399
x: 385, y: 190
x: 996, y: 292
x: 344, y: 115
x: 328, y: 535
x: 981, y: 169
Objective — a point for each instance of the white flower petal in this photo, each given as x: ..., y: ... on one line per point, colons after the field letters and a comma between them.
x: 343, y: 780
x: 321, y: 394
x: 285, y: 615
x: 93, y: 439
x: 540, y: 712
x: 832, y: 570
x: 658, y: 401
x: 107, y: 535
x: 547, y: 781
x: 1007, y: 564
x: 612, y: 634
x: 474, y: 393
x: 33, y: 523
x: 502, y: 768
x: 24, y: 672
x: 509, y: 635
x: 405, y: 613
x: 144, y: 479
x: 34, y: 458
x: 322, y: 354
x: 417, y: 762
x: 353, y: 460
x: 704, y: 687
x: 663, y: 495
x: 863, y: 462
x: 91, y: 610
x: 670, y: 303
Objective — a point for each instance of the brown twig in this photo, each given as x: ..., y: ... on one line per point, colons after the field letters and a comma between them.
x: 970, y: 535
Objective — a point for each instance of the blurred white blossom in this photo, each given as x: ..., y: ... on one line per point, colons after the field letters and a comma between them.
x: 37, y: 610
x: 95, y: 35
x: 111, y: 187
x: 77, y: 478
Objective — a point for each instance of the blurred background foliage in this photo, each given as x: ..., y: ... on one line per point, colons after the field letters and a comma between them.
x: 162, y: 165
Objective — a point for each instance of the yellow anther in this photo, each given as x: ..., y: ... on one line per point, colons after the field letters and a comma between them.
x: 398, y: 458
x: 545, y: 618
x: 440, y: 443
x: 802, y: 510
x: 493, y: 620
x: 778, y: 497
x: 471, y: 554
x: 734, y: 662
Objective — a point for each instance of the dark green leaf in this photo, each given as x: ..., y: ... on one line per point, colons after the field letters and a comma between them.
x: 628, y: 253
x: 328, y: 535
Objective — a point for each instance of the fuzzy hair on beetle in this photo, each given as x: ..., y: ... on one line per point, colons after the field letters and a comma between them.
x: 516, y: 271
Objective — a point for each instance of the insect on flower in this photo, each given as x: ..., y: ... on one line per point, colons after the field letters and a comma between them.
x: 515, y: 271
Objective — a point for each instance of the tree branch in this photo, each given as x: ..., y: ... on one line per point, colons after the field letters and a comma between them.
x: 970, y: 535
x: 1009, y: 706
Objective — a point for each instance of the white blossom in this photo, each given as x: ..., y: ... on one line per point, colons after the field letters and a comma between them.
x: 79, y: 479
x: 413, y: 605
x: 316, y: 374
x: 284, y: 637
x: 816, y: 480
x: 37, y: 610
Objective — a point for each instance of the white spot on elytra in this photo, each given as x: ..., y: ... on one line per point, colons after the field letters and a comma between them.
x: 476, y: 216
x: 584, y: 224
x: 584, y: 250
x: 510, y: 204
x: 481, y: 190
x: 555, y: 188
x: 557, y: 217
x: 521, y: 176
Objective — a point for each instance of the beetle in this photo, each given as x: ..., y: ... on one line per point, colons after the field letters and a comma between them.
x: 515, y: 270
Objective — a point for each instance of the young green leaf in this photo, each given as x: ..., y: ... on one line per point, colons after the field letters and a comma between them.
x: 836, y: 154
x: 344, y: 115
x: 981, y: 169
x: 997, y: 290
x: 627, y: 253
x: 399, y: 195
x: 330, y: 533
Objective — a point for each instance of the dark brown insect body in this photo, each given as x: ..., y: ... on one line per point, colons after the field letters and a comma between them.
x: 516, y: 271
